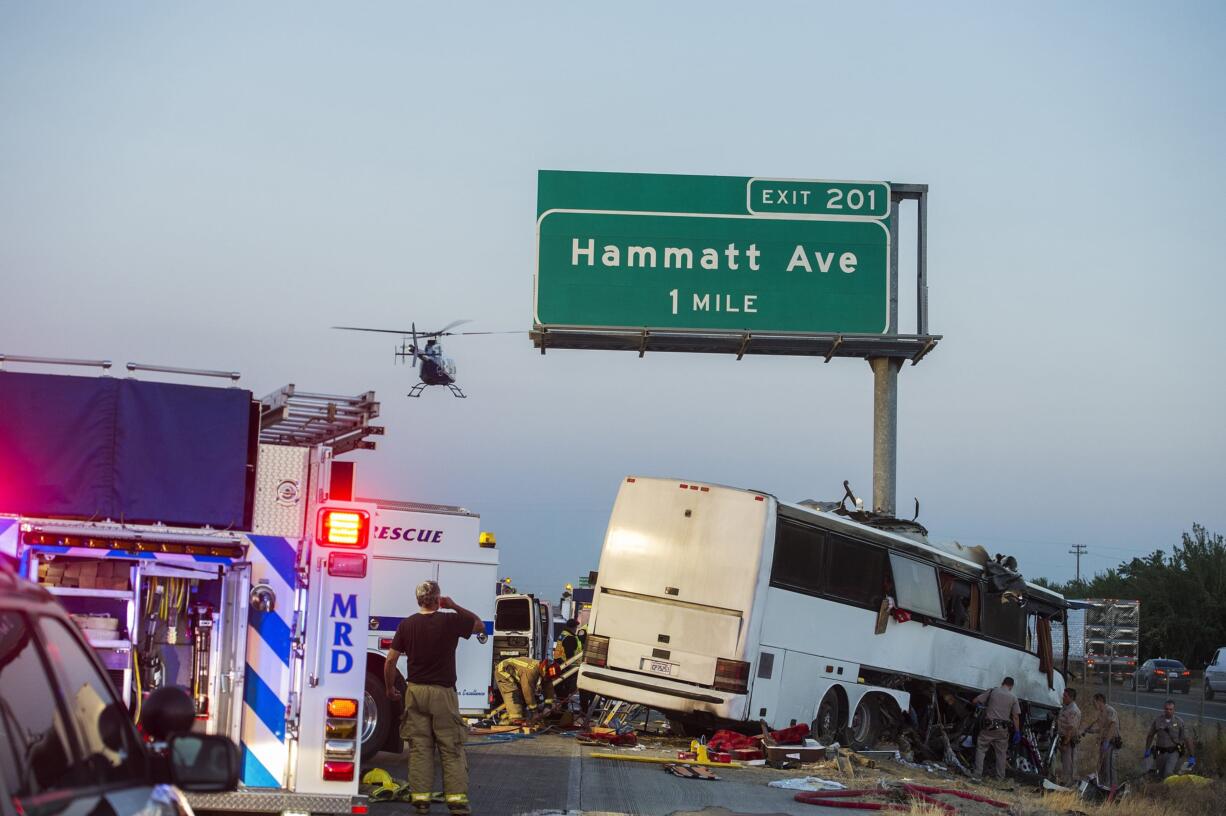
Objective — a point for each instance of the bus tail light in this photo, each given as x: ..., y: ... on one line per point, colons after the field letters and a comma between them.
x: 344, y: 528
x: 596, y: 651
x: 347, y: 565
x: 731, y: 675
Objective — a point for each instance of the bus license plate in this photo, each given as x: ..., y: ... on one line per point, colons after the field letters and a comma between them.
x: 659, y: 666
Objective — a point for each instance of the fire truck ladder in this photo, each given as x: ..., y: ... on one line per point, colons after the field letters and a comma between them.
x: 292, y: 417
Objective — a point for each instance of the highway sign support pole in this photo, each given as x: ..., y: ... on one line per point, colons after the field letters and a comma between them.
x: 885, y: 432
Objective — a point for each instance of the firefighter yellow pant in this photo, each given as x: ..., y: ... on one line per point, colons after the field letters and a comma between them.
x: 432, y: 720
x: 512, y: 697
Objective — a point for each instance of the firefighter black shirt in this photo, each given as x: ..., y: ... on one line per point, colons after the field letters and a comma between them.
x: 429, y: 642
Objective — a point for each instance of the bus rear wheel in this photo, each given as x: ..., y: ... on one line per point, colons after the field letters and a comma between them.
x: 825, y: 726
x: 865, y: 725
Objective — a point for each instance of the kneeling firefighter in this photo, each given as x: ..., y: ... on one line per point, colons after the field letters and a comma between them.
x: 518, y: 679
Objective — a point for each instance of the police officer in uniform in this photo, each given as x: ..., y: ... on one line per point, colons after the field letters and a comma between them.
x: 1001, y: 710
x: 1107, y: 725
x: 1167, y: 740
x: 1068, y: 726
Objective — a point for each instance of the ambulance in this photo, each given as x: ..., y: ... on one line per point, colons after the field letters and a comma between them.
x: 413, y: 542
x: 207, y: 540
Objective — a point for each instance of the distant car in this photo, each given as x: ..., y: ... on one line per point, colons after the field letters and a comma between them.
x: 1215, y: 674
x: 1162, y: 674
x: 67, y: 744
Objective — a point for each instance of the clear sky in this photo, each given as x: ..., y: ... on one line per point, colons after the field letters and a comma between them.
x: 214, y: 185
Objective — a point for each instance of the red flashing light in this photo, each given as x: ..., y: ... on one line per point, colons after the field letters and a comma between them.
x: 359, y: 809
x: 759, y: 498
x: 344, y: 528
x: 338, y: 771
x: 630, y: 479
x: 684, y: 486
x: 347, y: 565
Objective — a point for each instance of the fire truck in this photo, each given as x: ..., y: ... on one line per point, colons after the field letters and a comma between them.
x: 205, y: 539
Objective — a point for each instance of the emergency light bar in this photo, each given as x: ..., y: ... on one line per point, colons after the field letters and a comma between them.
x: 179, y: 546
x: 344, y: 528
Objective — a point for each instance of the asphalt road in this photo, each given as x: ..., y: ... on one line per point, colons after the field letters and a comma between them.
x: 555, y: 775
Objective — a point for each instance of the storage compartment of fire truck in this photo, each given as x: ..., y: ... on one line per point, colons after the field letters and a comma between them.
x: 154, y: 623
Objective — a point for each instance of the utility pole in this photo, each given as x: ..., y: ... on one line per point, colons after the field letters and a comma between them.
x: 1078, y: 550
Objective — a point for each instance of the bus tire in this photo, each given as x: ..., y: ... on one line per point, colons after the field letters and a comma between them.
x: 865, y: 725
x: 825, y: 726
x: 376, y: 717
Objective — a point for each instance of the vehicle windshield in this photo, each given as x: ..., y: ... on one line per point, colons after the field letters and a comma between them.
x: 1167, y: 664
x: 513, y: 614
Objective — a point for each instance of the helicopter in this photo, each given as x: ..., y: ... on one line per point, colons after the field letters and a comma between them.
x: 435, y: 368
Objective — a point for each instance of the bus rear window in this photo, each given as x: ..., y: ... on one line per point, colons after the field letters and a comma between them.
x: 513, y: 614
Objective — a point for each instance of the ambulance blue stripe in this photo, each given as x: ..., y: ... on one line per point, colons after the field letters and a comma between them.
x: 255, y: 775
x: 51, y: 548
x: 273, y: 629
x: 125, y: 554
x: 213, y: 559
x: 388, y: 623
x: 263, y: 701
x: 385, y: 623
x: 279, y: 554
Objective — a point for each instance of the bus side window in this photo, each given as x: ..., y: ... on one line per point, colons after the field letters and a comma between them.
x: 799, y: 553
x: 959, y: 597
x: 855, y: 572
x: 1004, y: 620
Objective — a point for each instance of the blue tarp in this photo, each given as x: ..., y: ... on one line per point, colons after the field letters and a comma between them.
x: 99, y: 447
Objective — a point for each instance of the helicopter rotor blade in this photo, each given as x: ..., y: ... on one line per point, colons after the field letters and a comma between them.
x: 446, y: 329
x: 384, y: 331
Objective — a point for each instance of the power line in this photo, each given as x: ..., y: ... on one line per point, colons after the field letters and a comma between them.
x: 1078, y: 550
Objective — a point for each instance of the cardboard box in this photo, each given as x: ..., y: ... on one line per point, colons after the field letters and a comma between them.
x: 811, y: 751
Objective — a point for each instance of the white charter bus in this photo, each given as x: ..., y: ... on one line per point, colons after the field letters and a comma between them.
x: 717, y: 604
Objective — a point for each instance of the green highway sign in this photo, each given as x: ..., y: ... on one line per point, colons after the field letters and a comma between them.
x: 832, y: 198
x: 712, y: 253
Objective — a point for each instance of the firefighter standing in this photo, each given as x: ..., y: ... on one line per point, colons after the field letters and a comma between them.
x: 1067, y: 726
x: 1001, y: 710
x: 518, y: 679
x: 1107, y: 725
x: 1167, y: 740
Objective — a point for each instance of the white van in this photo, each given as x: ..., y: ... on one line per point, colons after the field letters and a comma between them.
x: 1215, y: 674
